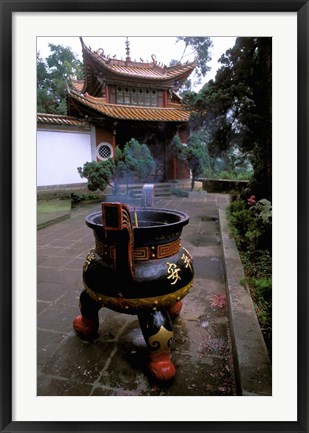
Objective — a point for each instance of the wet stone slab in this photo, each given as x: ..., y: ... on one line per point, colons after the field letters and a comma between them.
x: 209, y: 267
x: 49, y: 291
x: 79, y: 360
x: 127, y: 369
x: 53, y: 386
x: 203, y: 379
x: 49, y: 319
x: 47, y: 344
x: 115, y: 363
x: 204, y: 240
x: 42, y: 305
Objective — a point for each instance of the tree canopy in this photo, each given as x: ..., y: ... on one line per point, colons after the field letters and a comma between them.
x: 195, y: 152
x: 52, y: 73
x: 138, y: 160
x: 199, y: 46
x: 235, y: 108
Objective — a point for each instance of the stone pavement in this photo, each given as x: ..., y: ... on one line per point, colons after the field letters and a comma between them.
x: 115, y: 363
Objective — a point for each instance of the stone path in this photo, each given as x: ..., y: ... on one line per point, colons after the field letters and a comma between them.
x: 114, y: 364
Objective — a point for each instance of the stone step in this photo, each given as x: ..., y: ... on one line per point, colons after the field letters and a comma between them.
x: 160, y: 190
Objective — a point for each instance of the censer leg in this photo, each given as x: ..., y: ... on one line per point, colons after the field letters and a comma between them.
x: 87, y: 324
x: 158, y: 333
x: 174, y: 311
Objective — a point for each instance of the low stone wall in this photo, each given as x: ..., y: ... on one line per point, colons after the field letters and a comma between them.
x: 225, y: 186
x: 253, y: 366
x: 64, y: 191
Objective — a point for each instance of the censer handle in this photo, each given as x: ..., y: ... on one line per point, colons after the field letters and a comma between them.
x: 117, y: 221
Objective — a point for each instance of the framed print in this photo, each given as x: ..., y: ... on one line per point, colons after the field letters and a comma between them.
x: 26, y: 402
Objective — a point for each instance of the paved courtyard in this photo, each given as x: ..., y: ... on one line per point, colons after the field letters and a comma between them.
x: 114, y: 364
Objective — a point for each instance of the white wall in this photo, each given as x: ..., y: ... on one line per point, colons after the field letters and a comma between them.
x: 59, y: 153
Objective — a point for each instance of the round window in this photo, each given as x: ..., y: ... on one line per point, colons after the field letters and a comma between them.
x: 105, y: 151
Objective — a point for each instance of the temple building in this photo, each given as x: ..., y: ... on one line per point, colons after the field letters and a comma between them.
x: 122, y: 99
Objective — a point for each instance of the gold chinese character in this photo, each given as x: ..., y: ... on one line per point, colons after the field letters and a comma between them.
x: 187, y: 261
x: 88, y: 260
x: 173, y: 272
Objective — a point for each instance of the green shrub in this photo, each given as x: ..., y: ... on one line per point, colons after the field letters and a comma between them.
x: 261, y: 292
x: 98, y: 174
x: 79, y: 197
x: 134, y: 160
x: 138, y: 161
x: 258, y: 264
x: 251, y: 226
x: 245, y: 175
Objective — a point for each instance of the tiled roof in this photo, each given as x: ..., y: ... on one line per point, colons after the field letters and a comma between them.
x: 149, y: 70
x: 77, y: 84
x: 129, y: 112
x: 61, y: 120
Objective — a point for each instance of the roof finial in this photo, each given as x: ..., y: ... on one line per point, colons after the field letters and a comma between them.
x: 128, y: 58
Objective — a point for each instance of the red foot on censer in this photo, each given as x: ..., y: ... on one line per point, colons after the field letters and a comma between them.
x: 161, y: 366
x: 175, y: 309
x: 85, y: 327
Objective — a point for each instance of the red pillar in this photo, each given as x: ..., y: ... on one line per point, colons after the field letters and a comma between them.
x: 114, y: 144
x: 174, y: 168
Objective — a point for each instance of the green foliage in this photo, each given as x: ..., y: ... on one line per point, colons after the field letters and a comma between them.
x: 235, y: 108
x: 138, y: 160
x: 195, y: 153
x: 232, y: 175
x: 262, y: 289
x: 52, y: 73
x: 201, y: 164
x: 241, y: 223
x: 199, y: 46
x: 263, y: 210
x: 97, y: 173
x: 258, y: 263
x: 250, y: 225
x: 134, y: 161
x: 261, y: 292
x: 79, y: 197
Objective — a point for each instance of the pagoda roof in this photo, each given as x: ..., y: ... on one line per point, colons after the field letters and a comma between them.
x: 77, y: 84
x: 127, y: 70
x: 129, y: 112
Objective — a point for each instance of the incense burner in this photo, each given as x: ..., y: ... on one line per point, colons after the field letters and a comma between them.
x: 137, y: 266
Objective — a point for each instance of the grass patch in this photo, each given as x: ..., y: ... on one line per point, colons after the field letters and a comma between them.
x: 49, y: 211
x: 48, y: 206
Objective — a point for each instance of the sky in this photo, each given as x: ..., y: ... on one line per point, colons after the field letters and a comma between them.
x: 164, y: 48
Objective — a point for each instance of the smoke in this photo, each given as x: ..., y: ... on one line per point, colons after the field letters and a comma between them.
x: 139, y: 195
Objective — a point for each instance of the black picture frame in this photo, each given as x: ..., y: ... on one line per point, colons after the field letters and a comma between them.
x: 7, y: 8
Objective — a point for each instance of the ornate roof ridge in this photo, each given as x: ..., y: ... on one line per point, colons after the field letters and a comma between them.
x: 128, y: 67
x: 56, y: 115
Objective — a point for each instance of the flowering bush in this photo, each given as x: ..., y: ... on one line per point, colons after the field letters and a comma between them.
x: 251, y: 223
x: 251, y: 200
